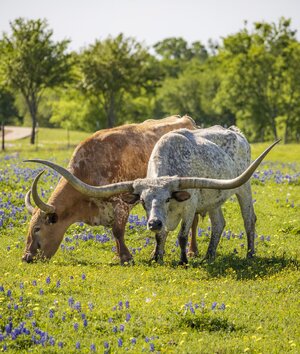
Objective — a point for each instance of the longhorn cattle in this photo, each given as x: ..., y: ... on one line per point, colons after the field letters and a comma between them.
x: 108, y: 156
x: 189, y: 172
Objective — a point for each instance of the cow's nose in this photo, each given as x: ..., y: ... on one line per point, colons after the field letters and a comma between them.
x: 154, y: 224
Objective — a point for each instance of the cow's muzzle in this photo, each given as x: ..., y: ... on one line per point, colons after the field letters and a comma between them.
x: 155, y: 225
x: 28, y: 257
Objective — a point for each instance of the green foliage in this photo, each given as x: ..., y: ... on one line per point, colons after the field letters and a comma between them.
x: 231, y: 305
x: 115, y: 67
x: 33, y: 62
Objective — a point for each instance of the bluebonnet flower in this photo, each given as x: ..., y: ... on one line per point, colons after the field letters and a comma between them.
x: 83, y: 276
x: 106, y: 345
x: 127, y: 304
x: 48, y: 280
x: 110, y: 320
x: 76, y: 326
x: 77, y: 306
x: 21, y: 285
x: 41, y: 292
x: 8, y: 293
x: 120, y: 342
x: 133, y: 341
x: 85, y: 322
x: 93, y: 348
x: 71, y: 301
x: 213, y: 306
x: 222, y: 307
x: 34, y: 283
x: 115, y: 329
x: 58, y: 284
x: 128, y: 317
x: 1, y: 288
x: 147, y: 339
x: 120, y: 305
x: 77, y: 345
x: 60, y: 344
x: 152, y: 347
x: 122, y: 327
x: 91, y: 306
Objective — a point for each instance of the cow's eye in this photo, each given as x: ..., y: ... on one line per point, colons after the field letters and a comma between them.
x: 36, y: 229
x: 167, y: 200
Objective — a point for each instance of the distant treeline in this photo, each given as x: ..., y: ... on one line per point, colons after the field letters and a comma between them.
x: 251, y: 79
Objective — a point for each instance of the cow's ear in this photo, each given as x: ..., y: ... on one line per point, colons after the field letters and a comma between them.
x: 181, y: 196
x: 51, y: 218
x: 130, y: 198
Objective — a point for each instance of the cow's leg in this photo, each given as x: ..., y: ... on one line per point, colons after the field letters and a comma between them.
x: 193, y: 248
x: 217, y: 227
x: 118, y: 230
x: 244, y: 196
x: 158, y: 253
x: 186, y: 224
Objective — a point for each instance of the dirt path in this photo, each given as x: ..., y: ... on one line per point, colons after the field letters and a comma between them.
x: 14, y: 133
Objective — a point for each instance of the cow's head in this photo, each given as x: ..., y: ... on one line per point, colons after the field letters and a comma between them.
x: 46, y: 229
x: 158, y: 197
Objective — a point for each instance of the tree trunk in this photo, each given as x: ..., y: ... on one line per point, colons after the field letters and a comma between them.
x: 111, y: 117
x: 32, y: 106
x: 3, y: 136
x: 273, y: 127
x: 286, y: 131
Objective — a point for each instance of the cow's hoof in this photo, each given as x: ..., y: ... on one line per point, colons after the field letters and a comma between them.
x: 193, y: 254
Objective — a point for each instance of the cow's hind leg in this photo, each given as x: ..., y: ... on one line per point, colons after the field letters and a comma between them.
x: 186, y: 224
x: 193, y: 247
x: 217, y: 226
x: 244, y: 196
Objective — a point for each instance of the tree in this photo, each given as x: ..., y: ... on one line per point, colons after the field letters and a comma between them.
x: 32, y: 62
x: 175, y: 54
x: 117, y: 67
x: 253, y: 75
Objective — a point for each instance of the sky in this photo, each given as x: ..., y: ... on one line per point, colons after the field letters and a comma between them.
x: 148, y: 21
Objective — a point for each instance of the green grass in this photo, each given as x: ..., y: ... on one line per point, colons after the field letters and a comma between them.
x: 255, y: 302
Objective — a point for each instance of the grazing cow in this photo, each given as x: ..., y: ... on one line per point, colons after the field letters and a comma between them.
x: 189, y: 174
x: 108, y: 156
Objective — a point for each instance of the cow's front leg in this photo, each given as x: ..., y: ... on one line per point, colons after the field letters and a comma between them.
x: 118, y: 230
x: 158, y: 253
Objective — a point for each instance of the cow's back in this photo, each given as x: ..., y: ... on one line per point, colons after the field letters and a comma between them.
x: 214, y: 152
x: 122, y: 153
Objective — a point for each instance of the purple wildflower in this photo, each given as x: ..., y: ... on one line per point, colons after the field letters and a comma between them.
x: 213, y: 306
x: 120, y: 342
x: 93, y: 348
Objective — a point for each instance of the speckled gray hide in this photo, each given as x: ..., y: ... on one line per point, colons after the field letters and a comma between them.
x: 215, y: 152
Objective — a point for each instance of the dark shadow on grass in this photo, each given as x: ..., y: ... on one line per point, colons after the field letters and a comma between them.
x: 244, y: 268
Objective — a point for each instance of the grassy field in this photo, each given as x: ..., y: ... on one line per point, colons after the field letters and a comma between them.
x: 83, y: 301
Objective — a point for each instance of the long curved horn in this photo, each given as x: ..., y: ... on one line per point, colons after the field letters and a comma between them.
x: 208, y: 183
x: 35, y: 196
x: 29, y: 206
x: 86, y: 189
